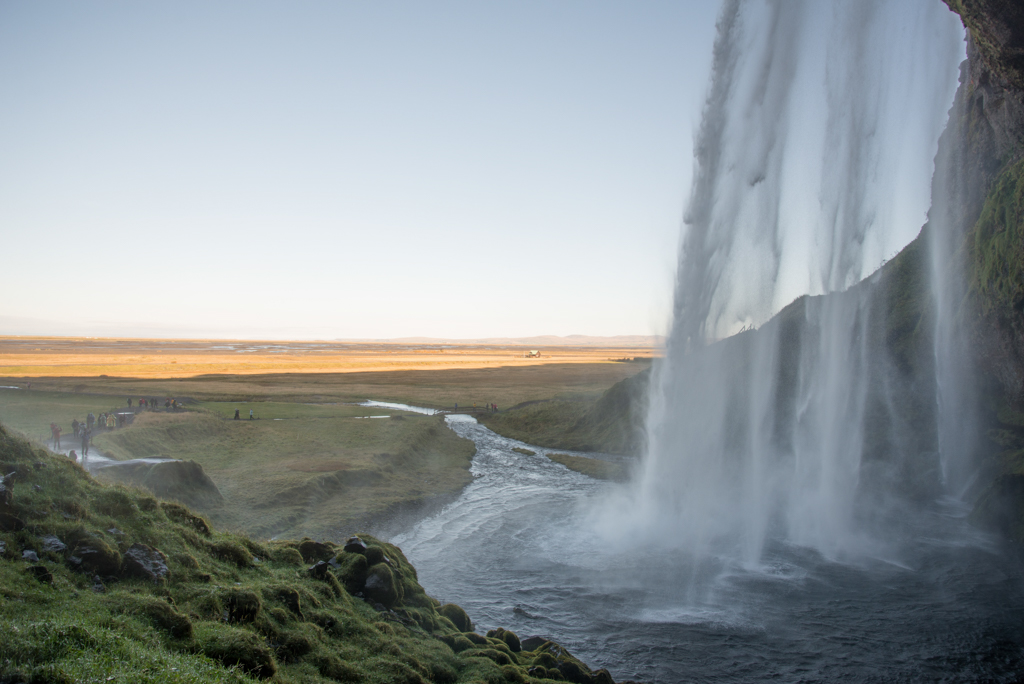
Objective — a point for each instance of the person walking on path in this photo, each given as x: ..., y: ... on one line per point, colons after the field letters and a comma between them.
x: 56, y: 436
x: 250, y: 414
x: 74, y: 426
x: 90, y: 420
x: 129, y: 403
x: 86, y: 434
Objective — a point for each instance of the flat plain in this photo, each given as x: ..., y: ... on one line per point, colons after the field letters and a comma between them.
x: 312, y: 462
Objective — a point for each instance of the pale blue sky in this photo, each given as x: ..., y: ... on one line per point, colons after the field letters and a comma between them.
x: 344, y: 169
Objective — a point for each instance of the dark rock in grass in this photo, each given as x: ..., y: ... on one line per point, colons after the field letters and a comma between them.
x: 314, y: 551
x: 574, y: 673
x: 37, y: 488
x: 97, y: 557
x: 3, y: 548
x: 53, y: 544
x: 381, y: 586
x: 320, y: 570
x: 40, y: 573
x: 533, y: 643
x: 116, y: 532
x: 458, y: 617
x: 98, y: 586
x: 355, y: 545
x: 30, y: 556
x: 11, y: 523
x: 145, y: 562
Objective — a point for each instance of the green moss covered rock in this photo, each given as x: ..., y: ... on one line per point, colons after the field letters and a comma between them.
x: 458, y: 617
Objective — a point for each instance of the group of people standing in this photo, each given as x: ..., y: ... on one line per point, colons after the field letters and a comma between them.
x: 144, y: 404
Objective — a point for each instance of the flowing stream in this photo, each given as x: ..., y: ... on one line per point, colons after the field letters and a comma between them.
x: 525, y: 547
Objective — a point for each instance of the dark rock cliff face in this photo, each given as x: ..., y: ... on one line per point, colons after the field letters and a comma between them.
x: 981, y: 188
x: 985, y: 139
x: 997, y: 28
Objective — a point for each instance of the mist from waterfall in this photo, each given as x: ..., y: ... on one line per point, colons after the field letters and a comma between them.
x: 813, y: 165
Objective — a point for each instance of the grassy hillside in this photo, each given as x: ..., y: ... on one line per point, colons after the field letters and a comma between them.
x: 106, y: 583
x: 611, y: 422
x: 298, y: 470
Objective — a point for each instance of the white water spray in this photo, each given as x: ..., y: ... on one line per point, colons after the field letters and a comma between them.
x: 813, y: 165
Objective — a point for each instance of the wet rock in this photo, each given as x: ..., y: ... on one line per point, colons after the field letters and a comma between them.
x: 97, y: 585
x: 37, y: 488
x: 145, y: 562
x: 355, y: 545
x: 116, y: 532
x: 97, y: 557
x: 320, y: 570
x: 30, y: 555
x: 6, y: 495
x: 11, y: 523
x: 53, y: 544
x: 533, y: 643
x: 40, y: 573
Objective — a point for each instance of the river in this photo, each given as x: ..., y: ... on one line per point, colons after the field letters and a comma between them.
x: 520, y: 549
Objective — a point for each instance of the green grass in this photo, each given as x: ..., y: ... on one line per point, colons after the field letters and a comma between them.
x: 306, y: 475
x: 997, y: 248
x: 30, y: 412
x: 230, y: 609
x: 610, y: 421
x: 299, y: 469
x: 593, y: 467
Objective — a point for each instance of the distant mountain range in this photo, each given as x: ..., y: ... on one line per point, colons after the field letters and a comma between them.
x: 617, y: 341
x: 32, y: 327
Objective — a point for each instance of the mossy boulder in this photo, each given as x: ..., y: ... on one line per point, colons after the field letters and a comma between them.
x: 352, y: 569
x: 458, y: 617
x: 161, y: 614
x: 312, y: 551
x: 97, y: 557
x: 232, y: 552
x: 241, y: 605
x: 381, y: 586
x: 508, y: 637
x: 234, y: 646
x: 287, y: 555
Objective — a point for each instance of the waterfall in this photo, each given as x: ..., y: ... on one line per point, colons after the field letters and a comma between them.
x: 813, y: 165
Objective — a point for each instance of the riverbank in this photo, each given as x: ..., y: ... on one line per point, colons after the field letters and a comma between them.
x: 109, y: 583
